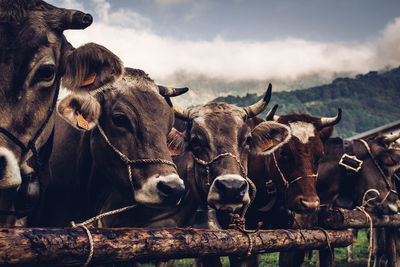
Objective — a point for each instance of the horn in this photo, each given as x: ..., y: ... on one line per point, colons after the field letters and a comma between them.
x: 171, y: 92
x: 180, y: 113
x: 270, y: 116
x: 325, y: 122
x: 260, y: 106
x: 74, y: 19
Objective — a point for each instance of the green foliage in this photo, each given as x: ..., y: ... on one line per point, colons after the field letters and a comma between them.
x: 368, y: 101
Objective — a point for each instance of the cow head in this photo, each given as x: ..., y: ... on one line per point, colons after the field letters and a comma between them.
x: 133, y: 121
x: 372, y: 185
x: 293, y: 167
x: 214, y: 148
x: 34, y: 56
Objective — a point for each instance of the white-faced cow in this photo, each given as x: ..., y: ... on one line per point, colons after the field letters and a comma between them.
x: 117, y: 157
x: 34, y: 57
x: 292, y: 169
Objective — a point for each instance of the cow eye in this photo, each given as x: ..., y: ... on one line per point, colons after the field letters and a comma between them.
x: 44, y: 73
x: 120, y: 120
x: 195, y: 144
x: 248, y: 142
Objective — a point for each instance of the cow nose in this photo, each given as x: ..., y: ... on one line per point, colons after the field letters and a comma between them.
x: 310, y: 205
x: 3, y: 166
x: 171, y: 191
x: 231, y: 191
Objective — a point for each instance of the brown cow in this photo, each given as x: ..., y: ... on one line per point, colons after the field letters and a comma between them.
x: 34, y: 56
x: 293, y: 170
x: 119, y: 157
x: 370, y: 186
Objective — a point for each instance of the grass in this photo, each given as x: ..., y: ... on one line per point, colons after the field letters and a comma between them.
x: 271, y: 259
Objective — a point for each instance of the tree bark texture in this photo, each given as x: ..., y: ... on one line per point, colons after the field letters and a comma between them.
x: 67, y: 246
x: 344, y: 219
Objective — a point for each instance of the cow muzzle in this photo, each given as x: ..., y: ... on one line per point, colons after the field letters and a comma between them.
x: 161, y: 191
x: 10, y: 175
x: 229, y: 192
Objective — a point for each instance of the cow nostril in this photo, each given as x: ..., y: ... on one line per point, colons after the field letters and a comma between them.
x: 243, y: 187
x: 171, y: 191
x: 164, y: 188
x: 220, y: 185
x: 3, y: 166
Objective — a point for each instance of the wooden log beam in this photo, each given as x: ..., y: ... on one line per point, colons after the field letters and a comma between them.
x: 344, y: 219
x: 50, y: 246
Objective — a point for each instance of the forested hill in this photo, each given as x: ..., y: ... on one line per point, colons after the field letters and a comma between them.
x: 368, y: 101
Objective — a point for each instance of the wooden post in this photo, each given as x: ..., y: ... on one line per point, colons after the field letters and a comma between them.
x: 70, y: 246
x: 344, y: 219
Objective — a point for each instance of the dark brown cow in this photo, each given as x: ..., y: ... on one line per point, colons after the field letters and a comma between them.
x: 347, y: 189
x: 121, y: 158
x: 293, y: 170
x: 371, y: 186
x: 34, y: 56
x: 293, y: 166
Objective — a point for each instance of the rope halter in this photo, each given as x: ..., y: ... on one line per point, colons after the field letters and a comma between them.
x: 385, y: 178
x: 286, y: 183
x: 129, y: 162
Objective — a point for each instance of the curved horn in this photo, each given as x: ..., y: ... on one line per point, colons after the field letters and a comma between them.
x: 391, y: 138
x: 260, y: 106
x: 325, y: 122
x: 74, y: 19
x: 180, y: 113
x: 171, y: 92
x: 270, y: 116
x: 63, y: 19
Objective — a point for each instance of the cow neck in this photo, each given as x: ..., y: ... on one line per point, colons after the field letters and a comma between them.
x: 31, y: 146
x: 207, y: 164
x: 286, y: 183
x: 385, y: 178
x: 129, y: 163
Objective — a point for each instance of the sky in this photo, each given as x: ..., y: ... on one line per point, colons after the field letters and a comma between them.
x: 240, y: 40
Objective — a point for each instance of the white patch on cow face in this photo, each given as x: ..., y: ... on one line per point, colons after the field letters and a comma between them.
x: 149, y: 194
x: 11, y: 176
x: 302, y: 130
x: 214, y: 197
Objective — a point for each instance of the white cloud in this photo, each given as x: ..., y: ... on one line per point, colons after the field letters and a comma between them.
x: 387, y: 51
x: 172, y: 2
x: 129, y: 35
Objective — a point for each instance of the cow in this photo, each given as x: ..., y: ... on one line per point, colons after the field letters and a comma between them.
x: 34, y: 57
x: 357, y: 173
x: 110, y: 151
x: 286, y: 179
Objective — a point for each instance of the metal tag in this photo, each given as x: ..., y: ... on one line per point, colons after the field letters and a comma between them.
x: 350, y: 162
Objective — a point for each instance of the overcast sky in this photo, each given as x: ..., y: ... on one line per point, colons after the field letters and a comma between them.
x: 245, y: 39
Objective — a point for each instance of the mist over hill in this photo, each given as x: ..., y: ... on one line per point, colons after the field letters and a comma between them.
x: 204, y: 89
x: 367, y: 100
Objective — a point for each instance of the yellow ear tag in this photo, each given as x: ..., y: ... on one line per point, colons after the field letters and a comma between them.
x: 89, y: 80
x: 267, y: 145
x: 81, y: 122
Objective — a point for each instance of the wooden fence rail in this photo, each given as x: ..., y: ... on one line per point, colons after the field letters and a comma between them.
x: 344, y: 219
x: 67, y: 246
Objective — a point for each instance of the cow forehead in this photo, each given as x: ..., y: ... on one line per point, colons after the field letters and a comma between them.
x: 302, y: 130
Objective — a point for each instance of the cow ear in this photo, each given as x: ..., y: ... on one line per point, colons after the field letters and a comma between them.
x: 81, y: 111
x: 326, y: 132
x: 176, y: 142
x: 90, y: 67
x: 269, y: 136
